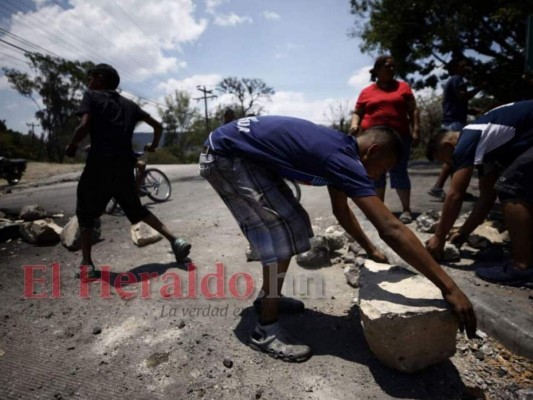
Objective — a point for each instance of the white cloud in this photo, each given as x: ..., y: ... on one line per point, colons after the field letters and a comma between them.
x: 271, y: 15
x: 360, y: 79
x: 122, y: 34
x: 212, y: 5
x: 189, y: 84
x: 231, y: 19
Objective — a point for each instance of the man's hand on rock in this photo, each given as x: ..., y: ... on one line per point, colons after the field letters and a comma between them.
x: 463, y: 311
x: 435, y: 247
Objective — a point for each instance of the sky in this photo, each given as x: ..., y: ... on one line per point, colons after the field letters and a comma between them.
x: 300, y: 48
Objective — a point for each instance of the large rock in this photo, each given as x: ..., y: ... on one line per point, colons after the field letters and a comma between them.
x: 70, y: 235
x: 40, y: 232
x: 336, y: 237
x: 407, y: 324
x: 32, y: 212
x: 143, y: 234
x: 484, y: 235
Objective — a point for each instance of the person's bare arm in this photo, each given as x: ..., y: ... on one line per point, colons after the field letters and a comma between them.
x: 450, y: 210
x: 158, y: 131
x: 406, y: 244
x: 80, y: 133
x: 347, y: 219
x: 487, y: 196
x: 357, y: 117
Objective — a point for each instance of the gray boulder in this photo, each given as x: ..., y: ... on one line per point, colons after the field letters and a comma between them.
x: 32, y: 212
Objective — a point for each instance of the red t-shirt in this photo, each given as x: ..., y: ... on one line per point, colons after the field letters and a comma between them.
x: 387, y: 108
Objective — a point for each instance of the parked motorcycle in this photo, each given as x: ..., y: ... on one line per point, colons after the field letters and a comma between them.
x: 12, y: 169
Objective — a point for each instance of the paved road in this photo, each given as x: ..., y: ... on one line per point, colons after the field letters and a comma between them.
x: 173, y: 348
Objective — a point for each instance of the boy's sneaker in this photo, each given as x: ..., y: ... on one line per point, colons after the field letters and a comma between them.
x: 279, y: 345
x: 506, y: 274
x: 437, y: 193
x: 287, y: 305
x: 92, y: 272
x: 181, y: 249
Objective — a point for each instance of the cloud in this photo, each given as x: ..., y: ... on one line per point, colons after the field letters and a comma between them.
x: 271, y: 15
x: 361, y: 78
x: 122, y: 34
x: 189, y: 84
x: 286, y: 50
x: 212, y: 5
x: 231, y: 19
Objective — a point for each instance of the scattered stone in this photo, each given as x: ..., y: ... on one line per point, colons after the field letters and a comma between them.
x: 70, y: 235
x: 450, y: 253
x: 407, y: 324
x: 352, y: 276
x: 40, y: 232
x: 97, y: 330
x: 228, y: 363
x: 143, y: 234
x: 32, y: 212
x: 427, y: 221
x: 155, y: 359
x: 355, y: 248
x: 486, y: 232
x: 335, y: 237
x: 252, y: 254
x: 181, y: 325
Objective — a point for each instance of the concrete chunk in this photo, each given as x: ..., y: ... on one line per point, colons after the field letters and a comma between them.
x: 40, y: 232
x: 407, y: 324
x: 70, y: 235
x: 143, y: 234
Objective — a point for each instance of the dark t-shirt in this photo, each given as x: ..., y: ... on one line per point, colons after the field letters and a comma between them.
x: 454, y: 106
x: 296, y: 149
x: 113, y: 119
x: 500, y: 135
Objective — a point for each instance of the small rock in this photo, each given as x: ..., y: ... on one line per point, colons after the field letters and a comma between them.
x: 181, y: 325
x: 227, y: 363
x: 352, y: 276
x: 97, y: 330
x: 32, y: 212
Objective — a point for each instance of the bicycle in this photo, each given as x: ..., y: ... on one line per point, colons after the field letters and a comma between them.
x: 155, y: 185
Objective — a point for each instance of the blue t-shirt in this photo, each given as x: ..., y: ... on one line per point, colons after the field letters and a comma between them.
x: 500, y: 135
x: 454, y: 106
x: 296, y: 149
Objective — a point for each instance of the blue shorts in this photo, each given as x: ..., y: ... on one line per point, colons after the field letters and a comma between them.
x: 399, y: 178
x: 270, y: 217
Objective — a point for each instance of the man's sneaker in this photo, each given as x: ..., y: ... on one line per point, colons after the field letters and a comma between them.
x: 406, y: 217
x: 287, y: 305
x: 279, y: 345
x: 506, y: 274
x: 181, y: 249
x: 437, y: 193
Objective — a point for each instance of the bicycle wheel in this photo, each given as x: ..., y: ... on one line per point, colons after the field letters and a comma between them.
x: 295, y: 188
x: 157, y: 185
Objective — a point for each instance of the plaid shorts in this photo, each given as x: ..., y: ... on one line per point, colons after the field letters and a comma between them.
x: 270, y: 217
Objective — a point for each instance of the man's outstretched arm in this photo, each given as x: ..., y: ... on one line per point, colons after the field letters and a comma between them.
x: 450, y: 210
x: 406, y: 244
x: 158, y: 131
x: 347, y: 219
x: 81, y: 132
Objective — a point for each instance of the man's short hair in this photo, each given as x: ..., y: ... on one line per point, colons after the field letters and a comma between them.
x: 434, y: 143
x: 388, y: 137
x: 107, y: 73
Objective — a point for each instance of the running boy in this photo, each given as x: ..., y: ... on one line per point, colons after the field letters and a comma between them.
x: 109, y: 119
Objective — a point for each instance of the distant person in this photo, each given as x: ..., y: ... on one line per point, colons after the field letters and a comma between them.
x: 109, y: 119
x: 454, y: 113
x: 389, y: 102
x: 499, y: 144
x: 246, y: 162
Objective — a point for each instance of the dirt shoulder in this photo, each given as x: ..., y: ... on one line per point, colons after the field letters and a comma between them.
x: 41, y: 172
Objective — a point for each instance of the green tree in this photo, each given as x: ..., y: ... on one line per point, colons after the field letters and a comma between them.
x: 59, y: 84
x: 424, y: 34
x: 248, y: 93
x: 178, y: 117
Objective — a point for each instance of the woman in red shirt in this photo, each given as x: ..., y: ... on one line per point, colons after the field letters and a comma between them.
x: 391, y: 103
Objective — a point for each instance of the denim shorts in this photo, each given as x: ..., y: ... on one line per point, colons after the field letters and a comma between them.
x: 399, y: 178
x: 516, y: 180
x: 268, y: 214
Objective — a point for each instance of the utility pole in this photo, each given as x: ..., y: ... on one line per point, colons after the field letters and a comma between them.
x: 205, y: 97
x: 32, y: 127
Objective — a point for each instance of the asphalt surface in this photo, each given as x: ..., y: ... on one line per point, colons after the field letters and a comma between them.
x: 138, y: 348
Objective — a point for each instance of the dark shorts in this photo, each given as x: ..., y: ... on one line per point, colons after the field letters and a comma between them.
x: 102, y: 179
x: 270, y: 217
x: 516, y: 181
